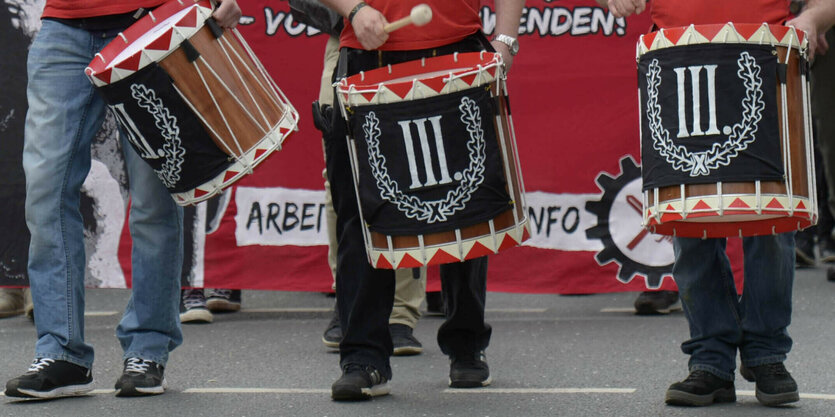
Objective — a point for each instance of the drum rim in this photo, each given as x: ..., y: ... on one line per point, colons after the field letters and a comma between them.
x: 370, y: 87
x: 722, y: 33
x: 99, y: 72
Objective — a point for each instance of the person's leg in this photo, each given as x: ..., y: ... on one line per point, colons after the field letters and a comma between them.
x: 322, y: 120
x: 766, y: 308
x: 150, y: 326
x: 409, y: 292
x: 823, y: 101
x: 63, y: 116
x: 333, y: 332
x: 709, y: 299
x: 364, y: 294
x: 464, y: 335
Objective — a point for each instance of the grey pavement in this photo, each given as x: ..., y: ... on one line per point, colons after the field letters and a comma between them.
x: 550, y: 355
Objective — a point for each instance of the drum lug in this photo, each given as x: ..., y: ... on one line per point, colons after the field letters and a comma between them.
x: 191, y: 52
x: 216, y: 30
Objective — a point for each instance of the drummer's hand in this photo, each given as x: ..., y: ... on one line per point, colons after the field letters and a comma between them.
x: 368, y: 25
x: 817, y: 40
x: 227, y: 13
x: 507, y: 58
x: 624, y: 8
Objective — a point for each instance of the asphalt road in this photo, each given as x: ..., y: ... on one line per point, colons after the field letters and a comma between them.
x: 550, y: 355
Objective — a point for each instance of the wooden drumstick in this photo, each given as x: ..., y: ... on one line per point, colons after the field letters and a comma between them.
x: 419, y: 16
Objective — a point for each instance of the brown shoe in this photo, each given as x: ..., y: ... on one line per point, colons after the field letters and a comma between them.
x: 28, y: 306
x: 11, y: 302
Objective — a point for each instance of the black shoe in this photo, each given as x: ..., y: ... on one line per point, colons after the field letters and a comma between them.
x: 656, y: 302
x: 359, y: 383
x: 140, y: 377
x: 224, y: 301
x: 434, y: 303
x: 699, y: 389
x: 804, y: 249
x: 193, y: 308
x: 333, y: 333
x: 49, y: 378
x: 469, y: 371
x: 405, y: 343
x: 775, y: 385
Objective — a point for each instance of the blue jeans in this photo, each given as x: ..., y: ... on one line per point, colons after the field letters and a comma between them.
x: 65, y: 112
x: 720, y: 320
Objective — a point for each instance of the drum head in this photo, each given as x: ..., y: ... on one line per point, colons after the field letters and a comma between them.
x: 149, y: 40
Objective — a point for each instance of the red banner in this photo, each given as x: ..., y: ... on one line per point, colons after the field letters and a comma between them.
x: 573, y: 92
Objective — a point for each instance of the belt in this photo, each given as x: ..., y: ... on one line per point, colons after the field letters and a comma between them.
x: 104, y: 23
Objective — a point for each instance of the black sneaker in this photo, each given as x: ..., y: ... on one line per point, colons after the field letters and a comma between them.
x: 359, y: 383
x: 224, y: 301
x: 775, y: 385
x: 333, y: 333
x: 405, y: 343
x: 699, y: 389
x: 50, y: 378
x: 193, y: 307
x: 656, y: 302
x: 469, y: 371
x: 140, y: 377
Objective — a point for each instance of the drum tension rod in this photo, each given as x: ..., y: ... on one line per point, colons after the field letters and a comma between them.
x: 190, y: 51
x: 216, y: 30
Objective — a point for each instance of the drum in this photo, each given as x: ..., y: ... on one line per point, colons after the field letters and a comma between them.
x: 194, y: 100
x: 434, y: 159
x: 726, y: 138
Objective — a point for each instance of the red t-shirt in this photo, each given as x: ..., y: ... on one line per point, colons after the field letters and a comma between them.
x: 74, y: 9
x: 452, y: 21
x: 673, y: 13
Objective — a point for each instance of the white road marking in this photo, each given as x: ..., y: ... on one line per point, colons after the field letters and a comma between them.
x: 617, y: 310
x: 256, y: 391
x: 828, y: 397
x: 540, y: 391
x: 100, y: 313
x: 287, y: 310
x: 515, y: 310
x: 743, y: 393
x: 328, y: 310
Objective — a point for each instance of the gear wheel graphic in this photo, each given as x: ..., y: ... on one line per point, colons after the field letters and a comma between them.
x: 618, y: 228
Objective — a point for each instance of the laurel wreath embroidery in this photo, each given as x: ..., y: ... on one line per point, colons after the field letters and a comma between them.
x: 456, y: 199
x: 167, y: 124
x: 720, y: 154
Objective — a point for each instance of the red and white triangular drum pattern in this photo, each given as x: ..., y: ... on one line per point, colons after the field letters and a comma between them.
x: 449, y: 252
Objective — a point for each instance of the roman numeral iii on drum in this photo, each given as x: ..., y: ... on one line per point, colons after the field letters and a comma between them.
x: 695, y: 88
x: 421, y: 124
x: 146, y: 151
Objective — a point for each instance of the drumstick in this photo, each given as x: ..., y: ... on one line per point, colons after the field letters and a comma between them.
x: 419, y: 16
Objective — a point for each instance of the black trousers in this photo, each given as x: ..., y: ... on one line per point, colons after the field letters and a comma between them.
x: 365, y: 295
